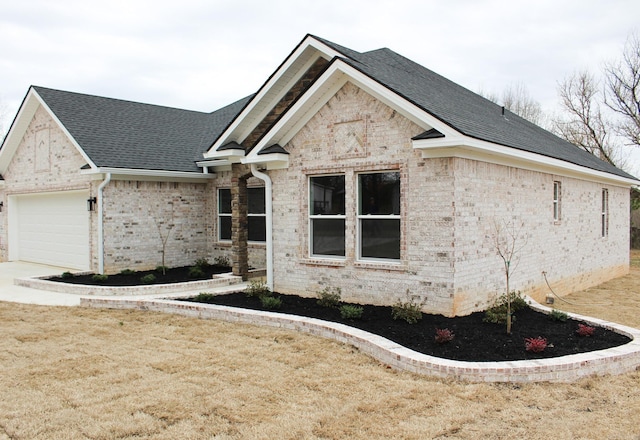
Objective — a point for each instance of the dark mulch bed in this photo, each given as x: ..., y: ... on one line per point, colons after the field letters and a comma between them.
x: 474, y: 340
x: 172, y: 275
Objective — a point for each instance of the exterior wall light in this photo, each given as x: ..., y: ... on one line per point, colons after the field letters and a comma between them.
x: 91, y: 204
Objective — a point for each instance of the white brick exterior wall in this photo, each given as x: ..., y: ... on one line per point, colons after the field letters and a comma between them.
x: 449, y: 209
x: 45, y: 160
x: 132, y: 209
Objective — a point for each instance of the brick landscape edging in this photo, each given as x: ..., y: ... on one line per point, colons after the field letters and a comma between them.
x: 151, y: 289
x: 612, y: 361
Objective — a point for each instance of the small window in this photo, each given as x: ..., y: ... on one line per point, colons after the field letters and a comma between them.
x: 256, y: 214
x: 327, y: 216
x: 605, y: 212
x: 556, y: 201
x: 379, y: 215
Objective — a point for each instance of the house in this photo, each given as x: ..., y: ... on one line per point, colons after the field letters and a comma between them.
x: 360, y: 171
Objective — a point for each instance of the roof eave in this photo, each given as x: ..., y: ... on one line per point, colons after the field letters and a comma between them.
x: 470, y: 148
x: 144, y: 173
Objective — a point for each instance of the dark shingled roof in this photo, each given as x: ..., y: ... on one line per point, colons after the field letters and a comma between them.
x: 463, y: 110
x: 123, y: 134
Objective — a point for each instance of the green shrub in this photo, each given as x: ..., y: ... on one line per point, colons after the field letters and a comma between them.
x: 100, y: 278
x: 202, y: 263
x: 497, y: 314
x: 409, y: 311
x: 204, y: 297
x: 558, y: 315
x: 127, y: 272
x: 162, y: 269
x: 66, y: 275
x: 148, y: 279
x: 257, y: 288
x: 270, y: 302
x: 328, y: 297
x: 222, y: 261
x: 349, y: 311
x: 196, y: 272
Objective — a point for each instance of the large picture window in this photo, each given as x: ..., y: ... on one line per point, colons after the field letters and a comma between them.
x: 256, y: 213
x: 379, y: 215
x: 327, y: 215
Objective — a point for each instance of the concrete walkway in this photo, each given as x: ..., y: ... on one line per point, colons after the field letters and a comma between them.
x: 12, y: 293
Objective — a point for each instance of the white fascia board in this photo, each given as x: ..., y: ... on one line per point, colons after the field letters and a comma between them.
x: 217, y: 165
x: 338, y: 74
x: 147, y: 174
x: 271, y: 161
x: 474, y: 149
x: 24, y: 117
x: 231, y: 134
x: 233, y: 155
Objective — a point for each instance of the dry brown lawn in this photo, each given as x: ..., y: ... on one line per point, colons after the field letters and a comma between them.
x: 73, y: 373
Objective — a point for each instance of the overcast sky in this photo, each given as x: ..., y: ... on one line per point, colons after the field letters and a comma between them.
x: 204, y: 54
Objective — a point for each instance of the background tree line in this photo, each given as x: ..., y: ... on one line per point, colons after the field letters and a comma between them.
x: 599, y: 113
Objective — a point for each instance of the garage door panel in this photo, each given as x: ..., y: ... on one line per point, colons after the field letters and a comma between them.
x: 53, y: 229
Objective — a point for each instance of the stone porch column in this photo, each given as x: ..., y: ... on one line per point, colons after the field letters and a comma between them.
x: 239, y: 221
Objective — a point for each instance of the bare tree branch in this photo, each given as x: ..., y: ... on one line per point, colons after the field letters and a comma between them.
x: 585, y: 125
x: 623, y: 90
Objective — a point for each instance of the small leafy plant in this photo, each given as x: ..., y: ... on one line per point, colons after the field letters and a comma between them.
x: 350, y: 311
x: 328, y: 297
x: 196, y: 272
x: 148, y: 279
x: 201, y: 263
x: 585, y: 330
x: 66, y: 275
x: 409, y: 311
x: 444, y: 335
x: 535, y: 345
x: 270, y: 302
x: 497, y: 314
x: 100, y: 278
x: 257, y: 288
x: 204, y: 297
x: 222, y: 261
x: 558, y: 315
x: 162, y: 269
x: 127, y: 272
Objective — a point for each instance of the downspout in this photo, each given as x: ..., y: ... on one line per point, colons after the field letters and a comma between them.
x: 106, y: 181
x: 269, y: 220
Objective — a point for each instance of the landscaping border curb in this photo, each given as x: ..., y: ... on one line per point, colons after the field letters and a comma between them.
x: 616, y: 360
x: 43, y: 283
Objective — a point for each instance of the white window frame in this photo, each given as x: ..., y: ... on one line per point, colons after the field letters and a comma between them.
x: 229, y: 215
x: 605, y: 213
x: 312, y: 217
x: 220, y: 215
x: 557, y: 187
x: 361, y: 217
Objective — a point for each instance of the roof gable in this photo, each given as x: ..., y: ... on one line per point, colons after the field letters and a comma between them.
x: 123, y: 134
x: 459, y: 109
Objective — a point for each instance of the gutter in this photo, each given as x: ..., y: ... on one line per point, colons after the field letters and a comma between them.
x: 269, y: 220
x: 106, y: 181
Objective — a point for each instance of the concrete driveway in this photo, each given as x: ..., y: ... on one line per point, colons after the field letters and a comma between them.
x: 18, y: 269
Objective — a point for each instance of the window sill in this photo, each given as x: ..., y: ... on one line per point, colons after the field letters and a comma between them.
x: 256, y: 244
x: 381, y: 265
x: 323, y: 262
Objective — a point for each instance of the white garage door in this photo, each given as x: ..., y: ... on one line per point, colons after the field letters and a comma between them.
x: 51, y: 229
